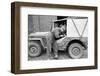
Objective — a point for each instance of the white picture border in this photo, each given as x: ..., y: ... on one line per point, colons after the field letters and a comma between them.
x: 25, y: 64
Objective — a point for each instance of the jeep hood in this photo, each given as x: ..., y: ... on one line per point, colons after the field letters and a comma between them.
x: 39, y: 34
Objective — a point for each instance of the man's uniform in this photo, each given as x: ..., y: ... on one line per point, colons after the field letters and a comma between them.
x: 55, y: 36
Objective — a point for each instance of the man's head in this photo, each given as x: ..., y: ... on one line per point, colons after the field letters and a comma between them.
x: 62, y: 28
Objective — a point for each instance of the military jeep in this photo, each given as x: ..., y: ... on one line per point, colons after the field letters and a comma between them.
x: 73, y: 44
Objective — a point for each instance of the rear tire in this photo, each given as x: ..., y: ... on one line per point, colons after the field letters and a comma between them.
x: 34, y: 49
x: 75, y: 50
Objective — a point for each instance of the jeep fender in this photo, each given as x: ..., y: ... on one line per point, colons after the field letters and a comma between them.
x: 37, y: 39
x: 76, y: 41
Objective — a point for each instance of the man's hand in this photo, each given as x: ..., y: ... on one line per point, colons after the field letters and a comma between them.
x: 62, y: 36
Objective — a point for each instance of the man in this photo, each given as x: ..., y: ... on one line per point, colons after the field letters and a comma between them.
x: 57, y: 33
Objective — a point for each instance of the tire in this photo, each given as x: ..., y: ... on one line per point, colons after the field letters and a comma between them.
x: 75, y: 50
x: 34, y: 49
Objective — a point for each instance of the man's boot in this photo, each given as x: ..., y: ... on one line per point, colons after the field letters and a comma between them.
x: 56, y: 57
x: 56, y: 54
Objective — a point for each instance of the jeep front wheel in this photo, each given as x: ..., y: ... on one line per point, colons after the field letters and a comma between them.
x: 75, y: 50
x: 34, y: 49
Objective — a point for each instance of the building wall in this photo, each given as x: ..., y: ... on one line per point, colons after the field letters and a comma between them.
x: 39, y: 23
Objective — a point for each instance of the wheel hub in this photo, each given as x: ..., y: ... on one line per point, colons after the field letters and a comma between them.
x: 75, y: 51
x: 33, y: 50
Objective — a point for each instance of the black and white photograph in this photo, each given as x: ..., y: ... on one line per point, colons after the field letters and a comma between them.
x: 57, y: 37
x: 53, y: 37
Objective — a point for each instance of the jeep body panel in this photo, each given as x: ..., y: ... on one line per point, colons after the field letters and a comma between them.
x: 64, y: 42
x: 39, y: 36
